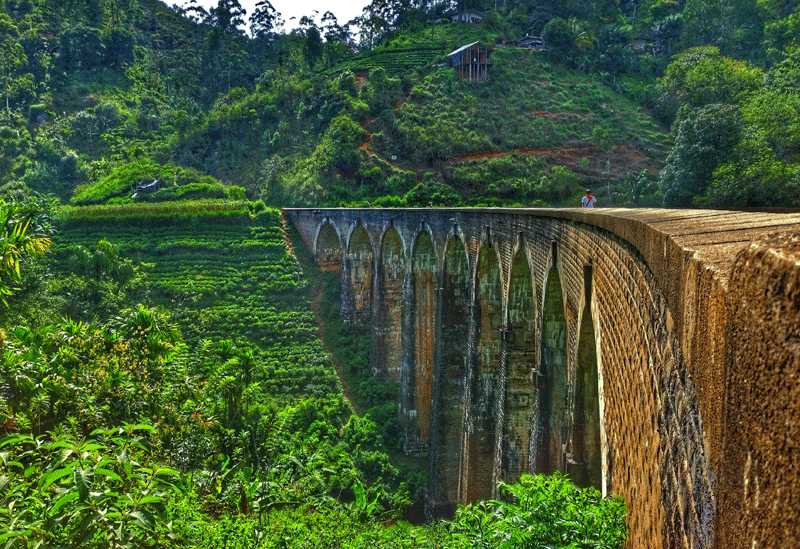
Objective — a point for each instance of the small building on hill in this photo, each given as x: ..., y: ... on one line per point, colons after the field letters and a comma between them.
x: 471, y: 62
x: 532, y: 43
x: 642, y: 44
x: 471, y: 17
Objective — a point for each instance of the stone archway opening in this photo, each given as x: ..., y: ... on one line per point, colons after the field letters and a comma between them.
x: 521, y: 373
x: 360, y: 268
x: 423, y: 311
x: 388, y: 302
x: 329, y: 250
x: 452, y: 370
x: 552, y: 387
x: 485, y: 390
x: 586, y: 447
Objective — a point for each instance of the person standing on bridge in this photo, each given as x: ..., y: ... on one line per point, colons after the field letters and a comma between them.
x: 588, y: 200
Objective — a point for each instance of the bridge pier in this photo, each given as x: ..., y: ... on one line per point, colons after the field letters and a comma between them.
x: 452, y: 345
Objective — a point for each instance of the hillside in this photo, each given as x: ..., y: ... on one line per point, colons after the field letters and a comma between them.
x: 132, y: 100
x: 220, y: 382
x: 398, y: 118
x: 103, y: 98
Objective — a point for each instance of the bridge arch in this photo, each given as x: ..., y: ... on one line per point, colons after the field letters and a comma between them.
x: 585, y: 458
x: 388, y: 306
x: 359, y: 269
x: 552, y: 389
x: 323, y: 234
x: 521, y: 369
x: 424, y: 282
x: 328, y: 248
x: 452, y: 348
x: 485, y: 406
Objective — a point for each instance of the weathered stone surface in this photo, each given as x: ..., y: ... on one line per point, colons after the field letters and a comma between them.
x: 632, y: 348
x: 760, y: 470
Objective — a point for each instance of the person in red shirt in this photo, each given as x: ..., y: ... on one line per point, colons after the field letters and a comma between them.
x: 588, y: 200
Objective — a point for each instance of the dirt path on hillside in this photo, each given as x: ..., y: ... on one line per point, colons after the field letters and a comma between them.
x: 562, y: 115
x: 365, y: 125
x: 559, y: 151
x: 625, y: 158
x: 365, y: 146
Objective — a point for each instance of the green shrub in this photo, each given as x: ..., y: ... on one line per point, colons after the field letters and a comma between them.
x: 93, y: 492
x: 122, y: 180
x: 544, y: 511
x: 557, y: 185
x: 430, y: 193
x: 38, y: 113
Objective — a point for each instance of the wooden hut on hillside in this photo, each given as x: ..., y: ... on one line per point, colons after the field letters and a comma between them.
x: 471, y: 62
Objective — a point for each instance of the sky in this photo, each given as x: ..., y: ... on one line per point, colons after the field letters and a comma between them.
x: 344, y: 10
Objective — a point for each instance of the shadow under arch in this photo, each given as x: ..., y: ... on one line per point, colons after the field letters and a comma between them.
x: 552, y: 388
x: 586, y: 447
x: 388, y: 307
x: 359, y: 270
x: 521, y: 373
x: 452, y: 353
x: 422, y: 339
x: 484, y: 406
x: 328, y: 250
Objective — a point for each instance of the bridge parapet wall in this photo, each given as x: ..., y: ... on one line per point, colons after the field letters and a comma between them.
x: 652, y: 288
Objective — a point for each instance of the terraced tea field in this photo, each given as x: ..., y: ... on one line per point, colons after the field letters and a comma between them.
x: 395, y: 61
x: 223, y: 277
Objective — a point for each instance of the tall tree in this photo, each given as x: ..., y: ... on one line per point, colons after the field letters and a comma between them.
x: 666, y: 33
x: 312, y: 50
x: 704, y: 140
x: 13, y: 59
x: 376, y: 18
x: 263, y: 20
x: 736, y: 26
x: 700, y: 76
x: 331, y: 28
x: 196, y: 13
x: 228, y: 16
x: 765, y: 171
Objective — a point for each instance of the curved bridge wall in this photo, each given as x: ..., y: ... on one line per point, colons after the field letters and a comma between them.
x: 599, y: 344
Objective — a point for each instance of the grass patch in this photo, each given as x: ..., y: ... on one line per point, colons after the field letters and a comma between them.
x: 174, y: 182
x: 183, y: 208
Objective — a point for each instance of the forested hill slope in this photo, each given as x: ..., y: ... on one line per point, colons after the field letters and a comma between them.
x: 105, y: 94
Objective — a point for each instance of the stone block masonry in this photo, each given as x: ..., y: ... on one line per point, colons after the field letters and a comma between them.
x: 651, y: 353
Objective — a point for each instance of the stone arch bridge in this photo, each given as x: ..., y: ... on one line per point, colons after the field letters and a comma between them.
x: 652, y: 353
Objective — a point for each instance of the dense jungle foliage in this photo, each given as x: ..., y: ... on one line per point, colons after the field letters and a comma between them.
x: 651, y: 102
x: 163, y: 381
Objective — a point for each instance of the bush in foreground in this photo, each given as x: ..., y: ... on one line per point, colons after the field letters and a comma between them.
x: 544, y: 511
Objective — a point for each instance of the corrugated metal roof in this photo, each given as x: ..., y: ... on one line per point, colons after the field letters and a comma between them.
x: 462, y: 48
